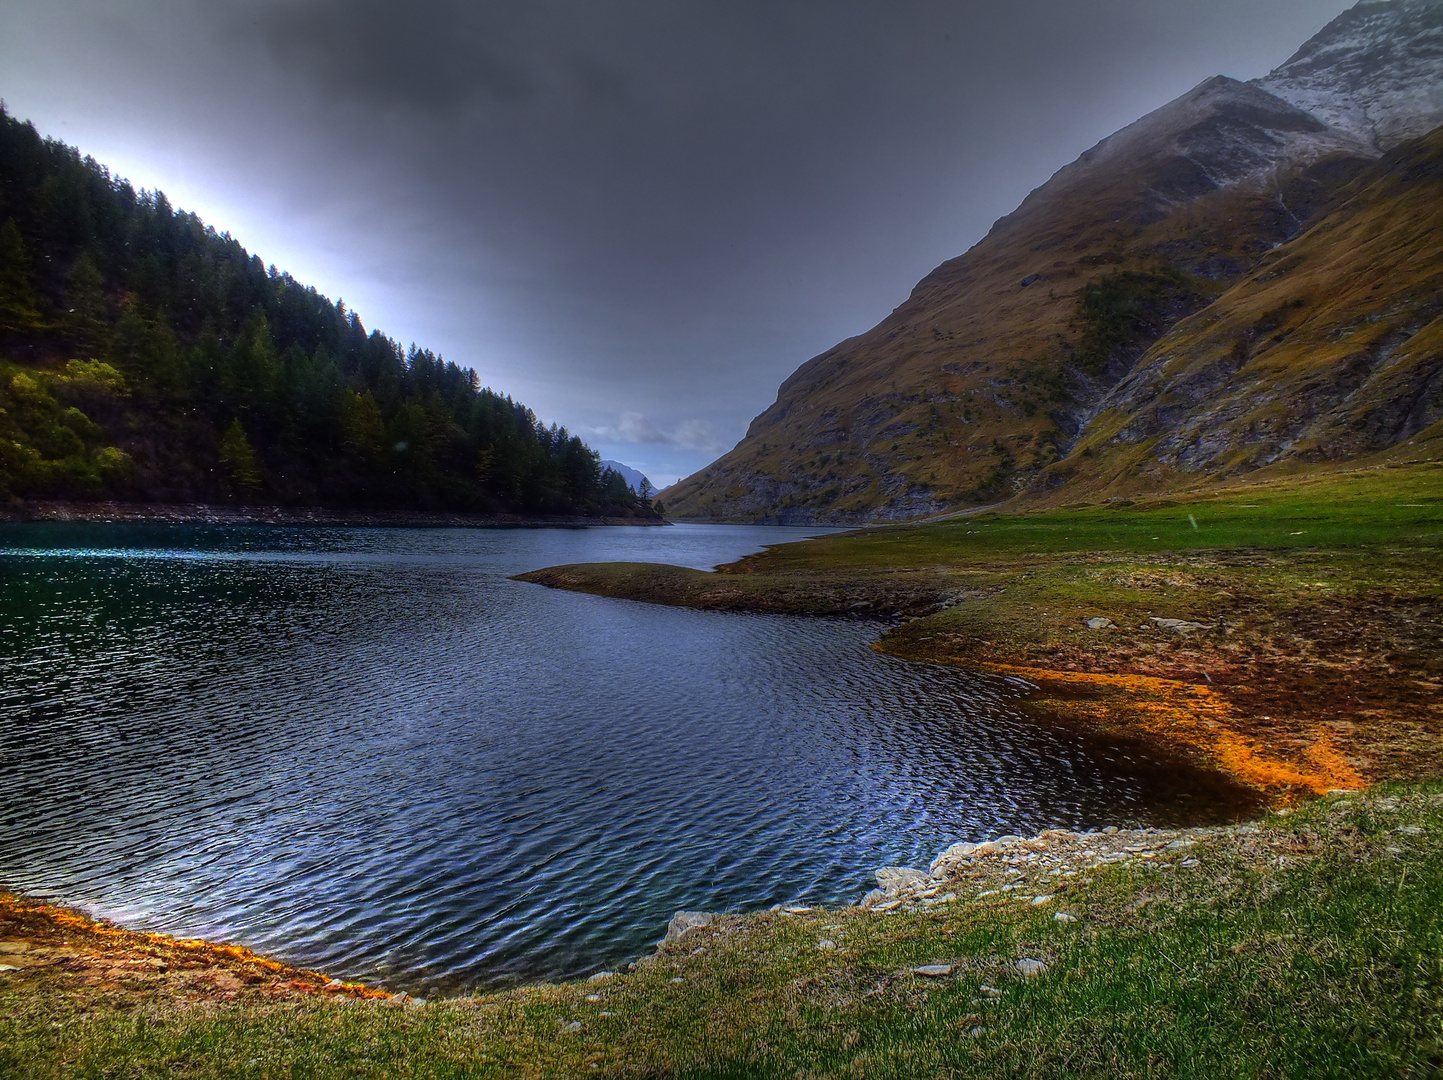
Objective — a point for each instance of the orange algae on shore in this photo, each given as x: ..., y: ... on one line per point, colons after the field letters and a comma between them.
x: 1196, y: 716
x: 87, y: 949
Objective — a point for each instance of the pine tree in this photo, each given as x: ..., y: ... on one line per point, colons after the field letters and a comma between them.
x: 238, y: 457
x: 85, y: 306
x: 19, y: 310
x: 363, y: 431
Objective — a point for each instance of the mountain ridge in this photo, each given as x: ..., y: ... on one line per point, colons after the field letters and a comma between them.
x: 993, y: 368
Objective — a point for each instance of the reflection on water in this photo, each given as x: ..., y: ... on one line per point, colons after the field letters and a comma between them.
x: 368, y: 751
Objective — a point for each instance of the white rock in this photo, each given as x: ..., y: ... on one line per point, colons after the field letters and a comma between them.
x: 1038, y: 901
x: 894, y: 879
x: 1063, y: 916
x: 826, y: 944
x: 1098, y: 622
x: 1182, y: 626
x: 1030, y: 969
x: 8, y: 967
x: 1409, y: 830
x: 571, y: 1028
x: 956, y: 853
x: 934, y: 971
x: 684, y: 922
x: 602, y: 976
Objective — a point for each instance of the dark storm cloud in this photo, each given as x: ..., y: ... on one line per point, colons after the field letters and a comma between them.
x: 442, y: 56
x: 637, y: 216
x: 430, y: 56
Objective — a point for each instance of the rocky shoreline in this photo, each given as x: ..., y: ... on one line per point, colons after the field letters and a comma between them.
x: 213, y: 514
x: 1001, y: 954
x: 1035, y: 871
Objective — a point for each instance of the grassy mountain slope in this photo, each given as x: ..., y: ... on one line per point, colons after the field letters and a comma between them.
x: 145, y: 357
x: 1331, y: 349
x: 983, y: 377
x: 1021, y: 352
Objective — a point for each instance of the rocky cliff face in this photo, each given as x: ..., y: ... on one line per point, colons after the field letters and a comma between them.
x: 1008, y: 361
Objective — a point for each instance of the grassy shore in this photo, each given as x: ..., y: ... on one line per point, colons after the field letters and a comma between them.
x: 1308, y: 945
x: 1289, y: 632
x: 1299, y: 651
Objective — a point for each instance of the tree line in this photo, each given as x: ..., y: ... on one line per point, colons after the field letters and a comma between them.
x: 145, y: 356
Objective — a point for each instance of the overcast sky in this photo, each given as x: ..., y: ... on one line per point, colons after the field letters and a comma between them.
x: 636, y: 217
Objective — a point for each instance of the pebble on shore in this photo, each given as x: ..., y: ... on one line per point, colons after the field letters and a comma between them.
x: 1027, y: 869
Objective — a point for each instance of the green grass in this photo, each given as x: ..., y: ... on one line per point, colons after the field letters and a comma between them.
x: 1358, y: 553
x: 1312, y: 947
x: 1392, y: 506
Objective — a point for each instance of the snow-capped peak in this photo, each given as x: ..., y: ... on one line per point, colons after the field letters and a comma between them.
x: 1376, y: 71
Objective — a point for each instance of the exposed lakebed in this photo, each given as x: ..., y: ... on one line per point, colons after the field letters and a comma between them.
x: 369, y: 751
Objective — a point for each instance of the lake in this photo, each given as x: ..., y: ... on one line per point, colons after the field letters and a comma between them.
x: 369, y: 752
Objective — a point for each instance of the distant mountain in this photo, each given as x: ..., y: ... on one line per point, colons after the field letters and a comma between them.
x: 1015, y: 368
x: 145, y: 357
x: 633, y: 479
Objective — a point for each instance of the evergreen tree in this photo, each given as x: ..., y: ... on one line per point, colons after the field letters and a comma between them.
x: 363, y: 429
x: 85, y: 306
x: 19, y: 302
x: 208, y: 338
x: 238, y: 457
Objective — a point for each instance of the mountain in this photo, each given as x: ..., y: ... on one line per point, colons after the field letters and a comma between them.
x: 1028, y: 351
x: 1330, y: 349
x: 1375, y: 72
x: 634, y: 479
x: 145, y: 357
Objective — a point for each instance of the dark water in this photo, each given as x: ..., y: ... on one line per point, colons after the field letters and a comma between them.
x: 366, y: 750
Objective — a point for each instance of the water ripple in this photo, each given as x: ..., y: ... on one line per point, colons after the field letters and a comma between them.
x: 369, y: 751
